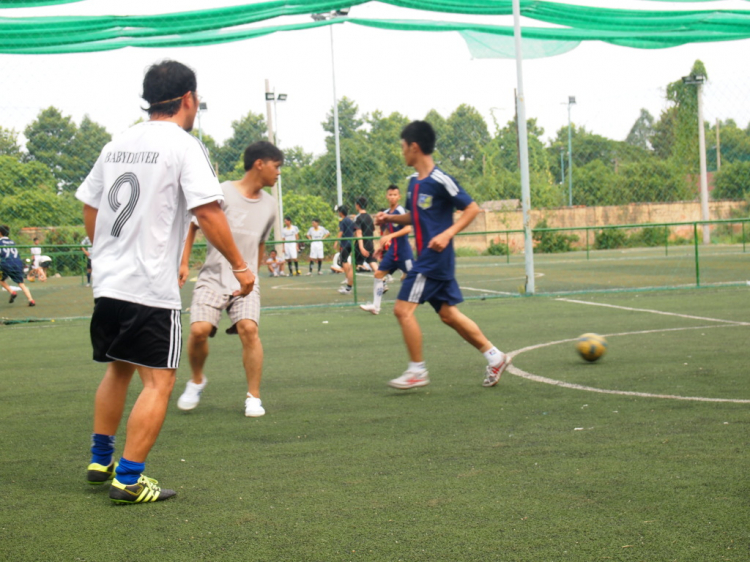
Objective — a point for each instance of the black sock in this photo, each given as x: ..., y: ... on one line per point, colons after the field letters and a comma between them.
x: 319, y: 264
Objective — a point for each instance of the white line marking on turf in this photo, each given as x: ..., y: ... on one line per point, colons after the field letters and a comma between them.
x: 485, y: 290
x: 513, y: 370
x: 651, y: 311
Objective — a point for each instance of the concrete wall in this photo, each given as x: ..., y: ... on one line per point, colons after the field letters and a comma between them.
x: 571, y: 217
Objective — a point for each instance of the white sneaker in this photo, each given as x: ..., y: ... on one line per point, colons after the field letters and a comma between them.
x: 253, y: 407
x: 492, y: 374
x: 411, y: 379
x: 308, y: 273
x: 385, y: 288
x: 192, y: 395
x: 320, y: 273
x: 370, y: 308
x: 345, y: 290
x: 344, y: 282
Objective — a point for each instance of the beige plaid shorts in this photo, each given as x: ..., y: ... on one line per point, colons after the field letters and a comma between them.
x: 207, y: 306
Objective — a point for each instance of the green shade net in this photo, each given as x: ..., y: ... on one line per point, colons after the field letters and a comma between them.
x: 633, y: 28
x: 489, y: 46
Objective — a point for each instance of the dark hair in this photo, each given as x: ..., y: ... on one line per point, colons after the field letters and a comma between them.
x: 422, y: 133
x: 262, y: 150
x: 316, y: 220
x: 4, y: 230
x: 362, y: 202
x: 288, y: 218
x: 164, y: 85
x: 36, y: 240
x: 392, y: 187
x: 343, y: 210
x: 272, y: 252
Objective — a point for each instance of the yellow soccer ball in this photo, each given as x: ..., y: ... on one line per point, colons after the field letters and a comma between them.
x: 591, y: 346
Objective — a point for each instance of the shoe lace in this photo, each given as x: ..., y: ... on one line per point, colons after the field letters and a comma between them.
x: 150, y: 483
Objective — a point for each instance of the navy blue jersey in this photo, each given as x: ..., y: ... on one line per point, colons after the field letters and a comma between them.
x: 400, y: 249
x: 346, y: 227
x: 432, y: 201
x: 9, y: 255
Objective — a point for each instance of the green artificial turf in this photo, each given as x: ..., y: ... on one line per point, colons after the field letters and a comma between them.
x: 344, y: 468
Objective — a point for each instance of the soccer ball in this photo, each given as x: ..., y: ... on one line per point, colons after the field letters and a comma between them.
x: 591, y: 346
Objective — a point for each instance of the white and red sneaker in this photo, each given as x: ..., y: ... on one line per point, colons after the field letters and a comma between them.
x: 411, y: 379
x: 492, y: 373
x: 371, y: 308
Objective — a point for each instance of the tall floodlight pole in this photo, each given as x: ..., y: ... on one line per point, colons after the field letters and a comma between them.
x: 571, y: 101
x: 275, y: 190
x: 523, y: 145
x: 201, y: 108
x: 698, y: 80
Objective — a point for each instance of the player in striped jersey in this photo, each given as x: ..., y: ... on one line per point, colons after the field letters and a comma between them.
x: 397, y: 251
x: 137, y: 201
x: 430, y: 201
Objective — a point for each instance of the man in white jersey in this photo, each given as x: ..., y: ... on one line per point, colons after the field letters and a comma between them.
x: 251, y: 213
x: 316, y: 233
x: 137, y: 200
x: 290, y: 234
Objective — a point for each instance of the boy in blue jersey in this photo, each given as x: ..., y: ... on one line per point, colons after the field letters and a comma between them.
x: 11, y: 266
x: 432, y: 197
x: 397, y: 251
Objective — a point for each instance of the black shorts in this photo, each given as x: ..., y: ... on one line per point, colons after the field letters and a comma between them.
x: 135, y: 333
x: 360, y: 259
x: 344, y: 254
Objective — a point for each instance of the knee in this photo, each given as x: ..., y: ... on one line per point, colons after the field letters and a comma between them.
x: 248, y: 331
x: 200, y: 331
x: 401, y: 312
x: 447, y: 316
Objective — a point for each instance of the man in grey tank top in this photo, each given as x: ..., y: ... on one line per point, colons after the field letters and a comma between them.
x: 251, y: 213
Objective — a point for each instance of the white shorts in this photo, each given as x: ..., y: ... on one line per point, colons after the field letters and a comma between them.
x: 317, y: 252
x: 207, y: 305
x: 290, y: 251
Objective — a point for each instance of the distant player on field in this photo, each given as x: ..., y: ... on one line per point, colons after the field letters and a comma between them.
x: 430, y: 201
x: 364, y: 226
x: 11, y: 266
x: 275, y: 264
x: 397, y: 252
x: 317, y: 233
x: 251, y: 213
x: 86, y: 249
x: 290, y: 234
x: 137, y: 201
x: 346, y: 230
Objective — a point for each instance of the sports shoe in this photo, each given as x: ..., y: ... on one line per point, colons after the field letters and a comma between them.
x: 253, y: 407
x: 492, y: 374
x: 143, y: 491
x: 99, y: 474
x: 320, y: 273
x: 344, y: 282
x: 308, y: 273
x: 370, y: 308
x: 346, y: 290
x: 385, y: 288
x: 192, y: 395
x: 12, y: 297
x: 411, y: 379
x: 32, y: 303
x: 297, y: 274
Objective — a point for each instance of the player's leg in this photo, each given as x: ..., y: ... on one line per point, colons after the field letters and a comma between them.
x: 378, y: 285
x: 311, y: 266
x: 416, y: 373
x: 7, y: 287
x: 245, y: 315
x: 198, y: 348
x: 26, y: 292
x: 320, y: 264
x: 497, y: 361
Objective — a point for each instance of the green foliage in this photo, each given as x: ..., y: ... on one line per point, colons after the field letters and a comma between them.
x: 651, y: 236
x: 65, y: 261
x: 304, y: 208
x: 497, y: 249
x: 246, y: 130
x: 610, y: 238
x: 41, y: 207
x: 642, y: 130
x: 552, y: 242
x: 9, y: 143
x: 732, y: 181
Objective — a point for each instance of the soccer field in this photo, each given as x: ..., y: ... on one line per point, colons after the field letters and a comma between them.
x: 640, y: 456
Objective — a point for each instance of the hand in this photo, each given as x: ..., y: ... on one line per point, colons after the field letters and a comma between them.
x: 380, y: 218
x: 440, y: 242
x: 183, y: 275
x: 365, y: 253
x: 247, y: 280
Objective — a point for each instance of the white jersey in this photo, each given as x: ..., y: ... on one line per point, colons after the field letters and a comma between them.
x: 143, y: 185
x: 289, y: 233
x: 317, y: 234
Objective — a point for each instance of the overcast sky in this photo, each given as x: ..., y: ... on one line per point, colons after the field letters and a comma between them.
x: 407, y: 72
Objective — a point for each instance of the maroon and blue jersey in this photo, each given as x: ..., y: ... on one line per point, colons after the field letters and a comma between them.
x: 9, y: 260
x: 431, y: 202
x: 400, y: 249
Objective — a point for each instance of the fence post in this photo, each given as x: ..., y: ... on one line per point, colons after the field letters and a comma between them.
x: 507, y: 245
x: 743, y: 237
x: 587, y: 243
x: 354, y: 269
x: 666, y: 240
x: 697, y: 264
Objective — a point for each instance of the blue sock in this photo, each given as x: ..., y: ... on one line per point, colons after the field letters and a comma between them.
x: 128, y: 472
x: 102, y: 448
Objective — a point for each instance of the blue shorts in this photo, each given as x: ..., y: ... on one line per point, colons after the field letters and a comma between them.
x: 418, y: 288
x: 15, y: 274
x: 390, y: 265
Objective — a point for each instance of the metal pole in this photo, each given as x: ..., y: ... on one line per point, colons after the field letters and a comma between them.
x: 562, y: 167
x: 523, y: 143
x: 570, y: 162
x: 718, y: 145
x: 275, y: 188
x: 276, y: 136
x: 704, y: 174
x: 339, y: 194
x: 697, y: 260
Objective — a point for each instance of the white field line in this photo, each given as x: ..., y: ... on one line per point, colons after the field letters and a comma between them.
x: 485, y: 290
x: 651, y: 311
x: 513, y: 370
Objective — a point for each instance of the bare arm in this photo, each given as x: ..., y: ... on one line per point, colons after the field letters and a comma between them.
x: 441, y: 241
x: 215, y: 227
x: 361, y: 243
x: 382, y: 217
x: 89, y: 221
x: 186, y: 251
x: 261, y: 254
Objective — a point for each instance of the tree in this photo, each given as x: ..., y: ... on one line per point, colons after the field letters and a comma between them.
x: 247, y: 130
x: 49, y: 139
x: 9, y: 143
x: 17, y: 177
x: 384, y: 139
x: 466, y: 136
x: 732, y: 181
x: 304, y: 208
x: 642, y: 130
x: 349, y: 121
x: 84, y: 149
